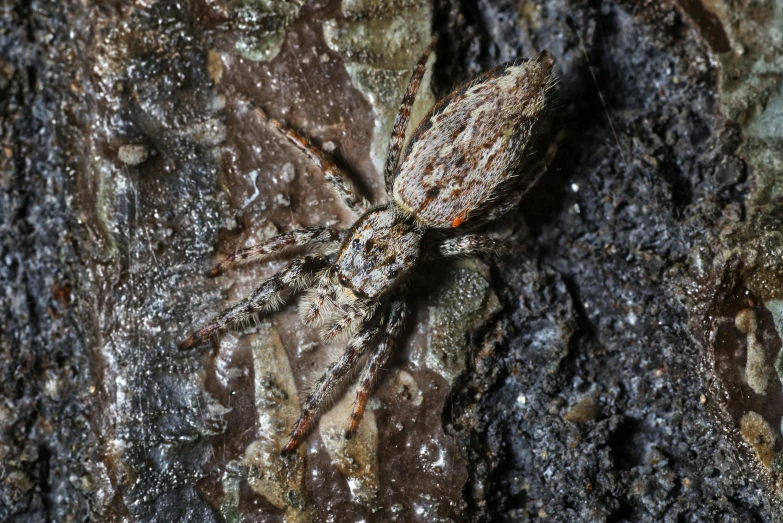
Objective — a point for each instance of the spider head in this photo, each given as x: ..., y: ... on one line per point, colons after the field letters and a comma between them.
x: 380, y: 252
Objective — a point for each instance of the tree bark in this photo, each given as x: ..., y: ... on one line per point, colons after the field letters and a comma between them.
x: 619, y: 365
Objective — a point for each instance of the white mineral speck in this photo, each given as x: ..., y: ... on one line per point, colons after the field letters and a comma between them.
x: 132, y: 154
x: 282, y: 200
x: 254, y: 177
x: 307, y: 347
x: 287, y: 173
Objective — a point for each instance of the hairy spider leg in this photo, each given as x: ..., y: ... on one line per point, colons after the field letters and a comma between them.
x: 315, y: 305
x: 296, y: 238
x: 395, y: 324
x: 325, y: 388
x: 352, y: 313
x: 403, y: 116
x: 266, y: 298
x: 470, y: 245
x: 337, y: 179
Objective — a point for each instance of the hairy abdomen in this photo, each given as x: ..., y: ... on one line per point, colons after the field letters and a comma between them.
x: 479, y: 146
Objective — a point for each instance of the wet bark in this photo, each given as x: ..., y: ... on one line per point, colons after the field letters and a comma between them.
x: 619, y: 365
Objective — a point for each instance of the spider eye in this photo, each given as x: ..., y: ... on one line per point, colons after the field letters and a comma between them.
x: 356, y: 243
x: 393, y: 272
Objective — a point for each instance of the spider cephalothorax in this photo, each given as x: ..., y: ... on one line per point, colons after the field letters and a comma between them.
x: 470, y: 159
x: 381, y: 250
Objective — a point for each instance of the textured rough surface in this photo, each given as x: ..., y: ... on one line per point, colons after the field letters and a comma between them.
x: 379, y: 42
x: 605, y: 376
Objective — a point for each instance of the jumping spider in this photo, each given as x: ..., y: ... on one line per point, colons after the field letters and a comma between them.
x: 469, y: 161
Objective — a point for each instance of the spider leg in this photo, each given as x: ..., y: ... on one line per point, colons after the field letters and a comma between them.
x: 327, y: 384
x: 394, y: 327
x: 266, y: 298
x: 295, y: 238
x: 314, y: 307
x: 337, y: 179
x: 352, y: 313
x: 403, y: 116
x: 469, y: 245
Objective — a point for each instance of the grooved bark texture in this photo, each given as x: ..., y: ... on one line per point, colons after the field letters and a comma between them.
x: 128, y: 162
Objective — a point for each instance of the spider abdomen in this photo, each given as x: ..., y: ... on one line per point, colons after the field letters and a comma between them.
x: 479, y: 146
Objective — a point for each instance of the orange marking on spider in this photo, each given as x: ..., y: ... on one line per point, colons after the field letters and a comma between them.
x: 459, y: 220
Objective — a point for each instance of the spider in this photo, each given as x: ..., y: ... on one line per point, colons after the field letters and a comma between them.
x: 469, y: 161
